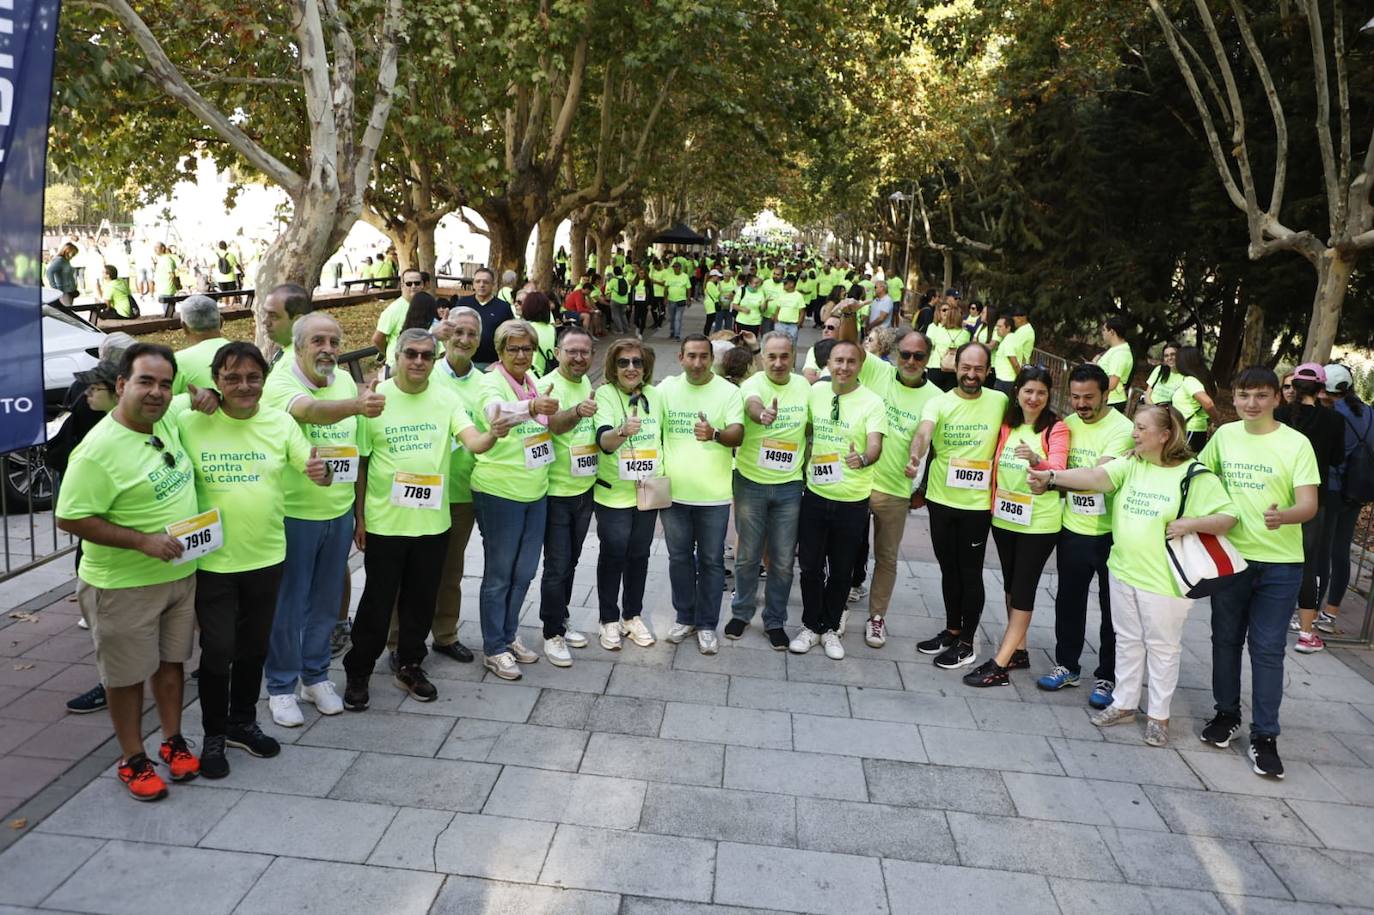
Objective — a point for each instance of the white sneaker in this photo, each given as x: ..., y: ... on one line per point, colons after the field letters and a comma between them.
x: 610, y: 636
x: 844, y: 622
x: 285, y: 711
x: 522, y: 654
x: 503, y: 665
x: 833, y: 649
x: 323, y: 697
x: 857, y: 593
x: 706, y: 641
x: 82, y: 624
x: 556, y: 651
x: 875, y: 634
x: 1294, y: 624
x: 638, y: 632
x: 804, y: 642
x: 679, y: 632
x: 574, y: 638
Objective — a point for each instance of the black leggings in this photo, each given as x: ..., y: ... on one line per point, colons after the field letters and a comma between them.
x: 960, y: 538
x: 1023, y: 558
x: 1316, y: 560
x: 234, y: 610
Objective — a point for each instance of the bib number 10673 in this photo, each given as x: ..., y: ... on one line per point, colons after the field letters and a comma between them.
x: 965, y: 474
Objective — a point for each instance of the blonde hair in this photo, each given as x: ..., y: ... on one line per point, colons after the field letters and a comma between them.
x: 1175, y: 450
x: 515, y: 327
x: 620, y: 347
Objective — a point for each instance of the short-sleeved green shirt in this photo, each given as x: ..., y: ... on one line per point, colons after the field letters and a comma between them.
x: 1117, y: 361
x: 790, y: 306
x: 389, y: 325
x: 241, y: 470
x: 575, y: 454
x: 1144, y: 500
x: 1162, y: 391
x: 544, y: 348
x: 749, y: 305
x: 904, y: 408
x: 517, y: 466
x: 679, y: 285
x: 193, y: 365
x: 861, y: 412
x: 943, y: 339
x: 1259, y: 471
x: 700, y: 470
x: 303, y: 499
x: 612, y: 408
x: 1184, y: 401
x: 766, y: 450
x: 469, y: 391
x: 1013, y: 490
x: 963, y: 442
x: 1090, y: 514
x: 115, y: 474
x: 413, y: 435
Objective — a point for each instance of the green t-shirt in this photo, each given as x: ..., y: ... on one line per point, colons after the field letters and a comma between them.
x: 241, y: 470
x: 1145, y: 499
x: 894, y: 289
x: 119, y: 296
x: 643, y: 451
x: 575, y: 460
x: 1001, y: 357
x: 790, y: 306
x: 807, y: 287
x: 304, y: 500
x: 943, y: 339
x: 517, y: 466
x: 767, y: 451
x: 414, y: 435
x: 389, y: 325
x: 165, y: 280
x: 1013, y: 496
x: 679, y: 285
x: 1162, y: 392
x: 115, y: 474
x: 700, y: 470
x: 1117, y: 361
x: 547, y: 343
x: 749, y: 305
x: 1090, y: 513
x: 658, y: 275
x: 1194, y: 417
x: 193, y: 365
x: 861, y: 412
x: 711, y: 296
x: 904, y: 408
x: 469, y: 391
x: 1259, y: 471
x: 963, y: 442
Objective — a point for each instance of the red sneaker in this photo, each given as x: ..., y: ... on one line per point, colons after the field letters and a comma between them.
x: 144, y: 784
x: 178, y: 757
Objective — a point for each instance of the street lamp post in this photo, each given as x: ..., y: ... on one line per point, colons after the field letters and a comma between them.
x: 899, y: 197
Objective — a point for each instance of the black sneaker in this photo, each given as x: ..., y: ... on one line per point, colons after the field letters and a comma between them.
x: 1020, y: 660
x: 412, y: 679
x: 778, y: 639
x: 213, y: 762
x: 942, y: 641
x: 251, y: 738
x: 987, y: 674
x: 1264, y: 756
x: 956, y: 656
x: 455, y: 650
x: 355, y: 694
x: 393, y: 661
x: 92, y: 700
x: 735, y: 628
x: 1220, y: 730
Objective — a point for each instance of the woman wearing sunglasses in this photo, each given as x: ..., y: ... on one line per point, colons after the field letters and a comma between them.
x: 629, y: 431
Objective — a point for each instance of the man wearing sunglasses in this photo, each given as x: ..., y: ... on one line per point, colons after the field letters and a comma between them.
x: 126, y: 483
x: 829, y: 329
x: 390, y: 321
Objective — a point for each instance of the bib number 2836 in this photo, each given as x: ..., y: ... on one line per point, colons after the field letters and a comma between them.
x: 1013, y: 507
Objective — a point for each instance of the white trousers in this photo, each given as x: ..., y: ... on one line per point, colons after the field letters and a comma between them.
x: 1149, y: 635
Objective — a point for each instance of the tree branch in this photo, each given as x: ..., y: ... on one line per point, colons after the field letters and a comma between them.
x: 386, y: 90
x: 1330, y: 175
x: 1275, y: 109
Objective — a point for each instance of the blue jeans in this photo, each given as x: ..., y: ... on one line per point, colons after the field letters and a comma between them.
x: 791, y: 330
x: 675, y: 318
x: 765, y: 513
x: 695, y: 535
x: 1254, y: 607
x: 512, y: 533
x: 565, y: 530
x: 626, y: 536
x: 308, y: 602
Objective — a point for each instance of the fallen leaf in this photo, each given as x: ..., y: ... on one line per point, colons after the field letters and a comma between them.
x: 20, y: 823
x: 24, y: 616
x: 23, y: 666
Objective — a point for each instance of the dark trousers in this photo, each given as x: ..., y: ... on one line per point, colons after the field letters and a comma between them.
x: 626, y: 536
x: 565, y: 530
x: 859, y: 572
x: 1341, y: 518
x: 830, y: 533
x: 960, y: 539
x: 1080, y: 558
x: 1316, y: 562
x: 402, y: 572
x: 234, y: 610
x: 1197, y: 441
x: 1253, y: 610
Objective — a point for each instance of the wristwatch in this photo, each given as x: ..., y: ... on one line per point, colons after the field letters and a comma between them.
x: 715, y: 436
x: 1050, y: 485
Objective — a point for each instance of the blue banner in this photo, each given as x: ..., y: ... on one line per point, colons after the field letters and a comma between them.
x: 28, y: 34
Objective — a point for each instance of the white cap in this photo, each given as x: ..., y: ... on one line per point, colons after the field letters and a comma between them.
x: 714, y: 273
x: 1338, y: 378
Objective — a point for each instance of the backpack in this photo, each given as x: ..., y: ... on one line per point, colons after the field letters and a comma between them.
x: 624, y: 288
x: 225, y: 268
x: 1358, y: 482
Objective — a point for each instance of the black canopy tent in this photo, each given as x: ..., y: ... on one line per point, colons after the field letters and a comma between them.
x: 680, y: 234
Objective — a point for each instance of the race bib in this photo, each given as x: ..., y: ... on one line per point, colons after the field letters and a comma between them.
x: 417, y: 490
x: 538, y: 450
x: 641, y: 466
x: 582, y: 460
x: 640, y: 295
x: 342, y: 459
x: 826, y: 469
x: 969, y: 474
x: 776, y: 454
x: 198, y: 535
x: 1013, y: 507
x: 1088, y: 503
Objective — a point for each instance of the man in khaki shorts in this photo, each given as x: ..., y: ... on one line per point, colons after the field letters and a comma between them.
x: 126, y: 482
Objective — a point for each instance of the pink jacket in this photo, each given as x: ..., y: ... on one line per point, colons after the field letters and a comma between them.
x: 1054, y: 442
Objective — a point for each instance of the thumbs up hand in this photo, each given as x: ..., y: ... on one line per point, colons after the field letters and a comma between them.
x: 769, y: 414
x: 853, y: 460
x: 630, y: 427
x: 587, y: 408
x: 316, y: 470
x: 1273, y: 518
x: 703, y: 430
x: 369, y: 402
x: 203, y: 400
x: 543, y: 404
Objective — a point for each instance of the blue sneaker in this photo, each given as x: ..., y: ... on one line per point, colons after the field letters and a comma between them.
x: 1102, y: 694
x: 1058, y: 678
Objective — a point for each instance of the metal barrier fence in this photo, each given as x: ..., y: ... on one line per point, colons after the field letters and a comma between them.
x: 1359, y: 597
x: 1058, y: 367
x: 27, y: 493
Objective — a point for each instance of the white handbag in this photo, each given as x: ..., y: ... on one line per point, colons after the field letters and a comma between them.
x: 1202, y: 564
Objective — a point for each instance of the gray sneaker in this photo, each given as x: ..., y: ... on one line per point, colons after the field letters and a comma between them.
x: 1156, y: 733
x: 1111, y: 715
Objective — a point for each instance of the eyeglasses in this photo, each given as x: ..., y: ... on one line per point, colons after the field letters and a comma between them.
x: 918, y: 355
x: 424, y: 355
x: 414, y: 283
x: 629, y: 362
x: 520, y: 350
x: 577, y: 353
x: 157, y: 445
x: 831, y: 327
